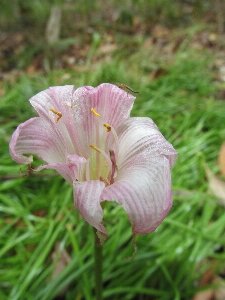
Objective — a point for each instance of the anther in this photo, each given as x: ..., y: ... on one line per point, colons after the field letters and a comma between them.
x: 105, y: 180
x: 59, y: 114
x: 95, y: 112
x: 107, y: 126
x: 102, y: 152
x: 95, y: 148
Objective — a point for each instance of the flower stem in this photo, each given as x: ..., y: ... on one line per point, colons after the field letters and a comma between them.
x: 98, y: 267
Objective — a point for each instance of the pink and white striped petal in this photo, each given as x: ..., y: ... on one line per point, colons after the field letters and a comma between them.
x: 37, y: 136
x: 141, y: 135
x: 113, y: 103
x: 71, y: 170
x: 62, y: 168
x: 144, y: 191
x: 60, y: 99
x: 87, y: 201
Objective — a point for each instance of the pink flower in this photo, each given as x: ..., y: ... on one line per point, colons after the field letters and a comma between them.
x: 88, y: 137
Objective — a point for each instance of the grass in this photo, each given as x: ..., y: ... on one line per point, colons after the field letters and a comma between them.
x: 37, y: 212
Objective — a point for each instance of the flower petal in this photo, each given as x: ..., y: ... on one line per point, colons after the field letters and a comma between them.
x: 63, y: 169
x: 37, y: 136
x: 71, y: 170
x: 87, y: 200
x: 144, y: 191
x: 113, y: 103
x: 141, y: 135
x: 60, y: 98
x: 57, y: 97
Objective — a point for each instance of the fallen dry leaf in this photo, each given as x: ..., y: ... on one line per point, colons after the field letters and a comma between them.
x: 216, y: 290
x: 222, y: 159
x: 217, y: 186
x: 219, y: 293
x: 206, y: 279
x: 204, y: 295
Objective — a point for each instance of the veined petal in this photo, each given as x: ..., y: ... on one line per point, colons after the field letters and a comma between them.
x: 57, y: 97
x: 37, y: 136
x: 87, y: 200
x: 62, y: 168
x: 60, y: 99
x: 141, y: 135
x: 144, y: 191
x: 112, y: 103
x: 70, y: 170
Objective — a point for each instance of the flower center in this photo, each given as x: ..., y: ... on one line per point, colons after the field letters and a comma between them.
x: 102, y: 164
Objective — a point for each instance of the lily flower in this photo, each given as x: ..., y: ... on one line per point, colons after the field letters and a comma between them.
x: 89, y: 138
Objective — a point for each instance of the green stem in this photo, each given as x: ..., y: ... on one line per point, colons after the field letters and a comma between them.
x: 98, y: 267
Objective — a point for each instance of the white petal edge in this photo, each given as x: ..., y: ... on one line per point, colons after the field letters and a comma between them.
x: 112, y: 103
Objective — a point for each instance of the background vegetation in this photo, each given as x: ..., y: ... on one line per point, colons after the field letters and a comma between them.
x: 173, y: 54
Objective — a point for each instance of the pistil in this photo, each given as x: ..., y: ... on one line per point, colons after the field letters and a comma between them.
x: 114, y: 166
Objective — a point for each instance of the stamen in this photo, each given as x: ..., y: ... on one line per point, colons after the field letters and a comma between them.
x: 103, y: 153
x: 108, y: 129
x: 95, y: 148
x: 95, y: 112
x: 107, y: 126
x: 59, y: 114
x: 105, y: 180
